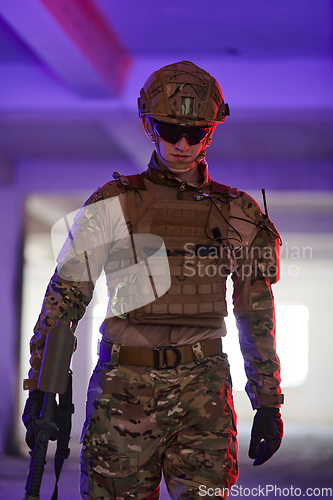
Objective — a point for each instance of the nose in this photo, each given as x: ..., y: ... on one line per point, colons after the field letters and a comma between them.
x: 182, y: 145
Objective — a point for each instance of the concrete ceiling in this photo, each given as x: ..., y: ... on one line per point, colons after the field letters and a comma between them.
x: 235, y: 28
x: 71, y: 71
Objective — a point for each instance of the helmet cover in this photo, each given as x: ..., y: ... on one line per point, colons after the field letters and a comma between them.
x: 183, y: 94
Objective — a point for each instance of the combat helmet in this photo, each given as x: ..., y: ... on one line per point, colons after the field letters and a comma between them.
x: 183, y: 94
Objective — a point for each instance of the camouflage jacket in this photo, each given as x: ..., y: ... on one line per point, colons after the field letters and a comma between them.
x: 253, y: 260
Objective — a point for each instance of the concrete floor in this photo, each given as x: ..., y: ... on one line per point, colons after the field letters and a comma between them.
x: 302, y: 467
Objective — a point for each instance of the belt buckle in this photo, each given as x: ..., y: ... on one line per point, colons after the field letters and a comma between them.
x: 166, y: 348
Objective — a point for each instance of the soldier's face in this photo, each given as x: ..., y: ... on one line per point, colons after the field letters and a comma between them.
x: 180, y: 156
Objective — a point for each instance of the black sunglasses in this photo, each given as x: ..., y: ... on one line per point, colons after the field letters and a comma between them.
x: 173, y: 133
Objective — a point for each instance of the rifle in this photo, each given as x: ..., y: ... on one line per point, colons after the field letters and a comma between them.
x: 55, y: 378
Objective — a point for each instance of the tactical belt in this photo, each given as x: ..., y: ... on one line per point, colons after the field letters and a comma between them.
x: 159, y: 357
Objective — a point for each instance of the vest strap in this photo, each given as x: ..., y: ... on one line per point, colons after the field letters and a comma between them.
x: 174, y: 334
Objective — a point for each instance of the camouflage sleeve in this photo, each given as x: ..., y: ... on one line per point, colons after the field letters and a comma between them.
x: 63, y: 299
x: 256, y: 269
x: 80, y: 263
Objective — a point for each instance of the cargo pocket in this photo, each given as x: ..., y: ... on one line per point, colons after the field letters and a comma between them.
x: 204, y: 464
x: 113, y: 474
x: 219, y: 469
x: 107, y: 463
x: 115, y: 465
x: 106, y: 474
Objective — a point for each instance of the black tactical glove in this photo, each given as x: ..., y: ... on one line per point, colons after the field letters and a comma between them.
x: 33, y: 407
x: 266, y: 434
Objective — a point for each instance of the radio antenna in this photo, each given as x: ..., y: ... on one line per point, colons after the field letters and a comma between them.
x: 264, y: 199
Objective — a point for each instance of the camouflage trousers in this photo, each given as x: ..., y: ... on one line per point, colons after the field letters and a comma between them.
x: 142, y: 422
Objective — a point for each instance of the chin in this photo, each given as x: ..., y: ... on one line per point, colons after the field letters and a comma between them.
x: 175, y: 166
x: 182, y: 168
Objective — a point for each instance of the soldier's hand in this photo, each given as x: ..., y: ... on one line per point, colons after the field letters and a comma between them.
x: 266, y: 434
x: 33, y: 407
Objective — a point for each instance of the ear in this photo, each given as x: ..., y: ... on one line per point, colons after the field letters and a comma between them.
x: 147, y: 127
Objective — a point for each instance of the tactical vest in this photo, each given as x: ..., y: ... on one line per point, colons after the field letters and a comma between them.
x: 193, y: 233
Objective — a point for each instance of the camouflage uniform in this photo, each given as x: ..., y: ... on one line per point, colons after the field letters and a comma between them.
x: 141, y: 421
x: 181, y: 420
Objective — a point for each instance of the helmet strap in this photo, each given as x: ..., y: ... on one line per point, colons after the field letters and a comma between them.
x: 206, y: 143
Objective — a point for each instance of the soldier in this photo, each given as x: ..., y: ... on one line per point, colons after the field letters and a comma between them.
x: 160, y: 397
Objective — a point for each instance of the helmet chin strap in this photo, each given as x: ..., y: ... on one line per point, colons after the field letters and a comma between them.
x: 206, y: 143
